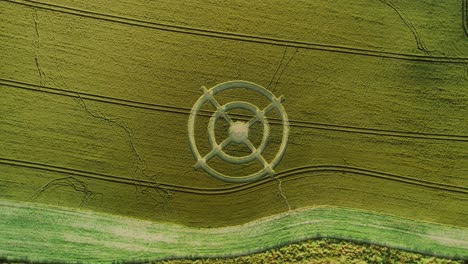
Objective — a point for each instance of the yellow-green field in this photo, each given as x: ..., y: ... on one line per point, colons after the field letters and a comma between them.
x: 95, y: 99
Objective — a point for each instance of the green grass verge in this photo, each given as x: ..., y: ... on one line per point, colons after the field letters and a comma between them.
x: 45, y: 233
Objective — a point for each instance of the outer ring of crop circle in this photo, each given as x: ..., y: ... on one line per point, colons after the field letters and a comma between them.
x: 227, y: 86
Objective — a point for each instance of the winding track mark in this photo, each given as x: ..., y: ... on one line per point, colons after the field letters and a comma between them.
x: 465, y: 17
x: 186, y: 111
x: 234, y: 36
x: 37, y: 46
x: 287, y: 174
x: 277, y: 68
x: 76, y: 184
x: 284, y: 68
x: 281, y: 193
x: 163, y: 195
x: 419, y: 42
x: 128, y: 131
x: 140, y: 167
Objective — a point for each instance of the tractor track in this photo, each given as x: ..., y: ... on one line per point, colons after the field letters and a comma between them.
x: 286, y: 175
x: 6, y: 83
x: 232, y: 35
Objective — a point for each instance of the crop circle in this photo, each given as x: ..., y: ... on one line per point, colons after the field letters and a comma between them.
x: 238, y: 131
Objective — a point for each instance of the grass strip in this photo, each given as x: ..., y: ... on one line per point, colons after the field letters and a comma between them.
x: 53, y: 234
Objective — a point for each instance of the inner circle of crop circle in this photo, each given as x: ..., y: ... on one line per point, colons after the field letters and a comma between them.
x: 238, y: 131
x: 226, y: 108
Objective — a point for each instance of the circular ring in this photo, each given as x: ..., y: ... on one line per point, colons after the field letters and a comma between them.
x: 208, y: 96
x: 258, y: 114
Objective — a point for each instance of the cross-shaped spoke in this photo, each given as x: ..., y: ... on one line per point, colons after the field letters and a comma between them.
x: 259, y: 156
x: 225, y: 143
x: 269, y: 107
x: 216, y: 104
x: 265, y: 110
x: 252, y: 121
x: 249, y: 144
x: 216, y: 149
x: 254, y: 150
x: 276, y: 102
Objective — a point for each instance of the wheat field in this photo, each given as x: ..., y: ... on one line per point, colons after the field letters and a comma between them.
x: 95, y: 99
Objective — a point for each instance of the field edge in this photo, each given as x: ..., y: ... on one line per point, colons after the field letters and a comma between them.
x: 46, y: 233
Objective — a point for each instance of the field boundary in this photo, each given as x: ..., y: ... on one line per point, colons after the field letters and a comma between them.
x: 69, y: 235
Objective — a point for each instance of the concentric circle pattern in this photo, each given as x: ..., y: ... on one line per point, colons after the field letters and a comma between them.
x: 238, y: 131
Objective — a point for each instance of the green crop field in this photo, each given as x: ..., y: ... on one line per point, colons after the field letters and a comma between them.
x: 95, y: 99
x: 107, y: 238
